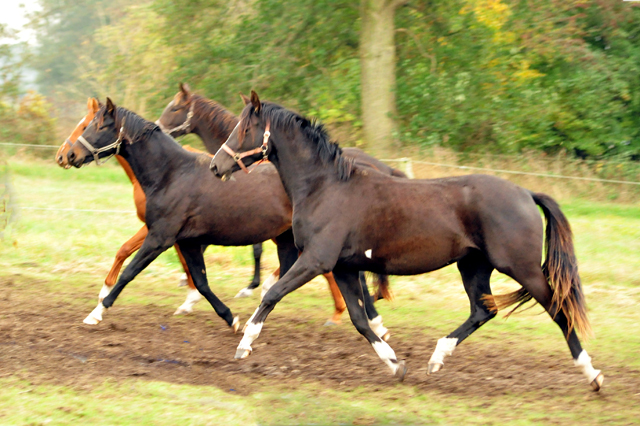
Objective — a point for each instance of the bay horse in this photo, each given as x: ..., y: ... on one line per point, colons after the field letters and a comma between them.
x: 187, y: 205
x: 189, y: 112
x: 134, y: 243
x: 347, y: 219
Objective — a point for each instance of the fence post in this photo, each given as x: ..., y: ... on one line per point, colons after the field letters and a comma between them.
x: 408, y: 167
x: 7, y: 213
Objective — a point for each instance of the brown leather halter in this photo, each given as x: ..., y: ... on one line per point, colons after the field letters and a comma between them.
x: 261, y: 149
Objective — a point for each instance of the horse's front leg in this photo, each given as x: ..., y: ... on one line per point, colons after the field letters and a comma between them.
x: 307, y: 267
x: 152, y: 247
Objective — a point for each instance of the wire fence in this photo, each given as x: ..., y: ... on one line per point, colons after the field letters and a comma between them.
x: 610, y: 177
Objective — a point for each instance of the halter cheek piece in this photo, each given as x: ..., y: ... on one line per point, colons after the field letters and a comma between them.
x: 184, y: 126
x: 237, y: 157
x: 96, y: 152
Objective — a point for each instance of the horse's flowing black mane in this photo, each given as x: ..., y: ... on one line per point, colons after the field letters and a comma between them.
x: 285, y: 120
x: 136, y: 128
x: 218, y: 119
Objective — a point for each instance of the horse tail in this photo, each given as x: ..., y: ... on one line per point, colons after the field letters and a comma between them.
x: 560, y: 268
x: 382, y: 289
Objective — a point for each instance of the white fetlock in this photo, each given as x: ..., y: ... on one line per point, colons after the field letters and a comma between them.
x: 387, y: 355
x: 245, y: 292
x: 96, y: 315
x: 584, y: 364
x: 193, y: 297
x: 184, y: 280
x: 377, y: 327
x: 235, y: 325
x: 251, y: 333
x: 444, y: 348
x: 267, y: 284
x: 104, y: 292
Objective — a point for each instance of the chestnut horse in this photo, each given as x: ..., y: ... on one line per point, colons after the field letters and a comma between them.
x: 187, y: 205
x: 192, y: 113
x: 346, y: 219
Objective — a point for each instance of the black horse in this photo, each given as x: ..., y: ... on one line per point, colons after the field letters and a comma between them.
x: 347, y: 219
x: 187, y: 205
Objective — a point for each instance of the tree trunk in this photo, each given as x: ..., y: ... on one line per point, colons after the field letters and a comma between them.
x: 378, y: 78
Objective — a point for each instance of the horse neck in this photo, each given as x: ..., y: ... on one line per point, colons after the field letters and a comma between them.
x: 127, y: 169
x: 153, y: 160
x: 213, y: 131
x: 301, y: 170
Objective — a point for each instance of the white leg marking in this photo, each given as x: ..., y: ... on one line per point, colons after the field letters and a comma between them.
x: 245, y: 292
x: 251, y: 333
x: 96, y: 315
x: 445, y: 347
x: 386, y: 354
x: 193, y: 297
x: 378, y: 328
x: 268, y: 283
x: 104, y: 292
x: 584, y: 364
x: 368, y: 253
x: 183, y: 280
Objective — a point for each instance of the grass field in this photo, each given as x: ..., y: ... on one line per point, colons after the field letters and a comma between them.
x: 66, y: 255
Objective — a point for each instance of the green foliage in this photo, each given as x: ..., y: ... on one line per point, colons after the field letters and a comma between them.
x: 499, y: 75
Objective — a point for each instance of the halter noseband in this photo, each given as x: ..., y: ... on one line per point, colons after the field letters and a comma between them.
x: 237, y: 157
x: 184, y: 126
x: 96, y: 152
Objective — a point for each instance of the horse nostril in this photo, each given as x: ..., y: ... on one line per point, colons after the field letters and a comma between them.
x: 59, y: 159
x: 71, y: 156
x: 214, y: 169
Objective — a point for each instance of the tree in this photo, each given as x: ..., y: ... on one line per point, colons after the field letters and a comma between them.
x: 378, y: 74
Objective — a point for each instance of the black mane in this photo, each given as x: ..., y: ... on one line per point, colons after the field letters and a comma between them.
x: 136, y: 128
x: 283, y: 119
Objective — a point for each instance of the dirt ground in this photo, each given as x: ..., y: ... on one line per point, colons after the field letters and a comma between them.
x: 46, y: 342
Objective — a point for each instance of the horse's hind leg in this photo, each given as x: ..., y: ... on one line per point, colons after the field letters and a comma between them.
x: 195, y: 261
x: 127, y: 249
x: 352, y: 291
x: 193, y: 295
x: 338, y: 301
x: 248, y: 291
x: 534, y: 281
x: 476, y: 272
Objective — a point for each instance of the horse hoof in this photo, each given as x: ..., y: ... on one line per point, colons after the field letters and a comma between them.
x: 182, y: 311
x: 91, y: 320
x: 330, y: 323
x: 245, y: 292
x: 597, y: 382
x: 235, y: 324
x: 386, y: 336
x: 434, y: 367
x: 401, y: 371
x: 242, y: 353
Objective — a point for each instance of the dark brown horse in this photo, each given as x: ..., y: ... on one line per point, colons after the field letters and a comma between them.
x: 187, y: 205
x: 347, y: 219
x: 192, y: 113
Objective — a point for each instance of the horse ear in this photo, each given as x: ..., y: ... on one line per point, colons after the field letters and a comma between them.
x: 245, y: 99
x: 93, y: 105
x: 255, y: 101
x: 185, y: 89
x: 111, y: 107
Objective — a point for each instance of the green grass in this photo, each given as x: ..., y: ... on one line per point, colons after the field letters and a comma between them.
x: 69, y: 253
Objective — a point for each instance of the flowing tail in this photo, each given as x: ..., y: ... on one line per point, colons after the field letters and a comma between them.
x: 560, y: 268
x: 382, y: 289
